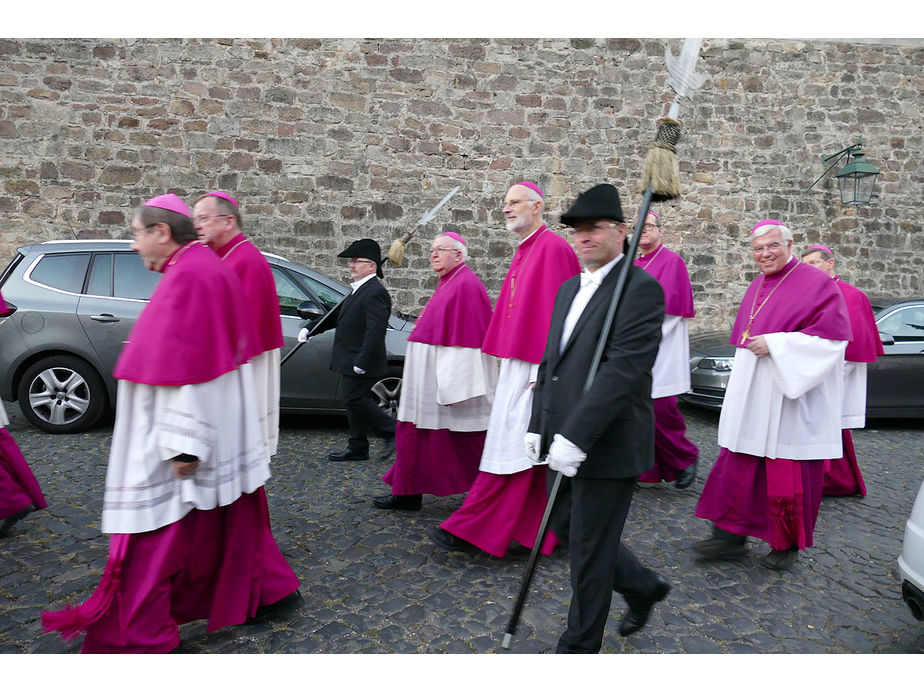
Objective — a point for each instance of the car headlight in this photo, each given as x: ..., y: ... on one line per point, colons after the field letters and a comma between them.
x: 717, y: 363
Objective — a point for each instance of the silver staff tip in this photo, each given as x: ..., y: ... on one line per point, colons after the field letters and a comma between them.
x: 507, y: 638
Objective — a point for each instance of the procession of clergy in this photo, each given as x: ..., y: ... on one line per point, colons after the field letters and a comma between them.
x: 494, y: 405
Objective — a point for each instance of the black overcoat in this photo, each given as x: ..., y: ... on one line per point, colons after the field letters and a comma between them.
x: 361, y: 320
x: 614, y: 421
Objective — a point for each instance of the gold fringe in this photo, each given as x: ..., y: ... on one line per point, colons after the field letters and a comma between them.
x: 395, y: 253
x: 661, y: 172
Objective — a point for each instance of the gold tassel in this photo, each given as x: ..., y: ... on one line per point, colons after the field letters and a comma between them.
x: 395, y: 253
x: 662, y: 171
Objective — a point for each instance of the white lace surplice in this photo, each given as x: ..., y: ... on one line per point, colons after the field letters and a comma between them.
x: 436, y: 376
x: 504, y: 452
x: 854, y: 413
x: 788, y: 404
x: 670, y: 374
x: 266, y: 382
x: 216, y: 421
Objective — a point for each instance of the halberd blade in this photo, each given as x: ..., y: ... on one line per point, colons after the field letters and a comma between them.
x: 432, y: 213
x: 684, y: 79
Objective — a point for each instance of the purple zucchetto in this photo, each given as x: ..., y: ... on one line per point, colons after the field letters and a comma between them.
x: 456, y: 237
x: 756, y: 231
x: 170, y: 202
x: 224, y: 196
x: 818, y: 246
x: 531, y: 186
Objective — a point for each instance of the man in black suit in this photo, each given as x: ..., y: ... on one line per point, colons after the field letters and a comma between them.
x: 603, y: 439
x: 358, y: 353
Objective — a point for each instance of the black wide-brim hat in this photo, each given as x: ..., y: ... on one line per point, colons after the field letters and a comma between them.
x: 367, y: 248
x: 600, y: 202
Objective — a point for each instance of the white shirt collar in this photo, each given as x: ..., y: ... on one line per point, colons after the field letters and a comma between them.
x: 598, y: 275
x: 359, y: 282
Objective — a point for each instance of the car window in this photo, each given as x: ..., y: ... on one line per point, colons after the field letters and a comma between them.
x: 328, y: 296
x: 10, y: 267
x: 131, y: 279
x: 100, y: 281
x: 289, y: 293
x: 905, y: 323
x: 64, y: 272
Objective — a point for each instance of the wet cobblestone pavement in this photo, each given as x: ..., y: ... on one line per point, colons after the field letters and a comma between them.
x: 374, y: 582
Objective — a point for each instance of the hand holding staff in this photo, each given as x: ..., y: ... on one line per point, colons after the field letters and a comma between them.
x: 661, y: 181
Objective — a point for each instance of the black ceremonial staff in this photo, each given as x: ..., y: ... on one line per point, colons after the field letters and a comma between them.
x: 660, y: 181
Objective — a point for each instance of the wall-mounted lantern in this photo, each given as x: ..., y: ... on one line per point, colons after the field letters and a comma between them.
x: 857, y: 180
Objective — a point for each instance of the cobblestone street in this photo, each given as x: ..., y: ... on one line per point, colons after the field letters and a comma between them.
x: 374, y: 582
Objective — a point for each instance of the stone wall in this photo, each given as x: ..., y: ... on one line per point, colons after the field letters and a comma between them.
x: 325, y: 141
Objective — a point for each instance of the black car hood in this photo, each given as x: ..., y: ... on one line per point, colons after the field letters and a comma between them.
x: 712, y: 344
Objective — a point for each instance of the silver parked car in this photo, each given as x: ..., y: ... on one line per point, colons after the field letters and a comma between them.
x: 911, y: 560
x: 895, y: 382
x: 72, y: 305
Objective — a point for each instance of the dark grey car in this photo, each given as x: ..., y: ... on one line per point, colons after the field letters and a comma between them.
x: 73, y: 303
x: 895, y: 382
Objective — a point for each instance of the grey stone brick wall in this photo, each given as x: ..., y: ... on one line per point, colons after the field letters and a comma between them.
x: 325, y: 141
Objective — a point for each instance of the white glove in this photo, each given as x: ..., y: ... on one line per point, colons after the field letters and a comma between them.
x: 358, y: 370
x: 303, y: 335
x: 533, y: 444
x: 565, y: 456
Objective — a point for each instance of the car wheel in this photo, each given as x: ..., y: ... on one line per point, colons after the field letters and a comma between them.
x: 62, y: 394
x: 387, y: 392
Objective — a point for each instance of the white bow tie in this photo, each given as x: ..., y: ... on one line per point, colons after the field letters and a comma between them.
x: 588, y: 278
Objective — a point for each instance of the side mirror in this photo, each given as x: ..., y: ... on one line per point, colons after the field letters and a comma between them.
x: 886, y: 338
x: 308, y: 310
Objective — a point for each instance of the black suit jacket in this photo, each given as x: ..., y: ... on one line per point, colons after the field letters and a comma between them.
x: 361, y: 319
x: 614, y: 421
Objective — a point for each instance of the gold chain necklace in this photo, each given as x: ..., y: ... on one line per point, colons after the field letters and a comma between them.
x: 657, y: 252
x: 233, y: 248
x: 753, y: 314
x: 176, y: 255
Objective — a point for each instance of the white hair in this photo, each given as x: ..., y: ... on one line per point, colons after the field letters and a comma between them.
x: 785, y: 233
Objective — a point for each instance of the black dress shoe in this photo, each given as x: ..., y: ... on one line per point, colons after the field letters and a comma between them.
x: 686, y: 477
x: 388, y: 449
x: 348, y: 456
x: 716, y: 549
x: 451, y: 542
x: 282, y: 607
x: 7, y: 524
x: 637, y: 616
x: 390, y: 502
x: 780, y: 559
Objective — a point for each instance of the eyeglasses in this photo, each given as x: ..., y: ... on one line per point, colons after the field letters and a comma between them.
x: 202, y: 220
x: 651, y: 227
x: 513, y: 203
x: 443, y: 250
x: 772, y: 247
x: 143, y: 229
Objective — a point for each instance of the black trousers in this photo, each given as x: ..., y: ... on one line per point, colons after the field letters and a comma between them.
x: 363, y: 413
x: 589, y: 514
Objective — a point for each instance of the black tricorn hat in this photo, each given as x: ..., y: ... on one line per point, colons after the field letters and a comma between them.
x: 367, y: 248
x: 600, y: 202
